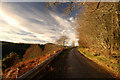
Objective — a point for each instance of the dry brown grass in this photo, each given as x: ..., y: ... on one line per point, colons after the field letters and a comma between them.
x: 24, y: 66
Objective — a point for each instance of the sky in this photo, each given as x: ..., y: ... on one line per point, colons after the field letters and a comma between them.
x: 30, y: 22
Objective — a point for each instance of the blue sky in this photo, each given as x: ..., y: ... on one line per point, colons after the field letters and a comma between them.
x: 34, y: 23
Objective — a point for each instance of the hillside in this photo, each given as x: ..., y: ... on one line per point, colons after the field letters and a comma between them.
x: 36, y: 50
x: 24, y: 66
x: 19, y: 48
x: 13, y: 53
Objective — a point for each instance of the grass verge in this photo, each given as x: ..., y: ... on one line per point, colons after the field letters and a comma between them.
x: 109, y: 63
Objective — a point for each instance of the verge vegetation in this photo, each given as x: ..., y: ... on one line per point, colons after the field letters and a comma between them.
x: 109, y: 63
x: 14, y: 66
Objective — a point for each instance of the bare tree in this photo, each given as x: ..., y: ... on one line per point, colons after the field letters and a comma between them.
x: 62, y: 40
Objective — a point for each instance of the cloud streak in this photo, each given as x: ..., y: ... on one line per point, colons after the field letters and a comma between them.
x: 33, y: 23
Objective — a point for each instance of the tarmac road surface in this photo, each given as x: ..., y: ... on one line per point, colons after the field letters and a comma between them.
x: 74, y: 65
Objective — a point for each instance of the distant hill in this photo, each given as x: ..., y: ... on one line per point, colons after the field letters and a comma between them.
x: 8, y: 47
x: 24, y: 49
x: 36, y: 50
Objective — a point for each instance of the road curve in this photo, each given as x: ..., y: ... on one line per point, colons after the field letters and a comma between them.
x: 74, y: 65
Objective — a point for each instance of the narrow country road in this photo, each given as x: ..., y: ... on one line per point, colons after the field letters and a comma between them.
x: 72, y: 64
x: 81, y: 67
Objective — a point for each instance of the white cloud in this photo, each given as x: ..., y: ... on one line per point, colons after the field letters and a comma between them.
x: 24, y: 23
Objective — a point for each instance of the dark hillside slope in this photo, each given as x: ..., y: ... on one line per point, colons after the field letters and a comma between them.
x: 36, y: 50
x: 27, y: 51
x: 19, y: 48
x: 13, y: 53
